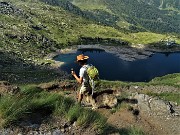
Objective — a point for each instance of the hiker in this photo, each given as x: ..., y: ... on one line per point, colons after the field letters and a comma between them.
x: 83, y: 78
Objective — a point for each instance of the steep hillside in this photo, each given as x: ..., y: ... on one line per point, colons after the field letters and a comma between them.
x: 163, y: 4
x: 169, y: 7
x: 34, y: 28
x: 134, y: 15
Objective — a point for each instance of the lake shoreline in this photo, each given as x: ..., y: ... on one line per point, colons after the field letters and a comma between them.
x: 126, y: 53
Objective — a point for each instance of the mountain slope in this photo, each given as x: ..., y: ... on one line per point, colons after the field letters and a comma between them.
x: 163, y: 4
x: 34, y: 28
x: 137, y: 14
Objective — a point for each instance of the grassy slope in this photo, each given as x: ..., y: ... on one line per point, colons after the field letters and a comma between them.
x: 13, y: 108
x: 60, y: 27
x: 90, y: 4
x: 57, y: 25
x: 175, y: 4
x: 120, y: 10
x: 171, y: 79
x: 32, y: 99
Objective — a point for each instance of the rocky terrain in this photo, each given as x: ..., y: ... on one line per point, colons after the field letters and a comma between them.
x: 152, y: 115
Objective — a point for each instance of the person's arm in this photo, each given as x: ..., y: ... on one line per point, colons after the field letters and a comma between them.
x: 79, y: 79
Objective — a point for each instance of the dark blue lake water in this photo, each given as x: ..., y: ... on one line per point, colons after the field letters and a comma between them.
x: 112, y: 68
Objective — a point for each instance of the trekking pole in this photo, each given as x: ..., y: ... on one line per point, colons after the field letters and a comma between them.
x: 92, y: 83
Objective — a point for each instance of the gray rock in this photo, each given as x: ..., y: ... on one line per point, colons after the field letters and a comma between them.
x: 153, y: 105
x: 160, y: 107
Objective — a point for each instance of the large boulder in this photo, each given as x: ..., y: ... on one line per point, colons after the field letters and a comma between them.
x: 153, y: 105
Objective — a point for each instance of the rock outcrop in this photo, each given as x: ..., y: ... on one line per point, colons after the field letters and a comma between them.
x: 154, y: 105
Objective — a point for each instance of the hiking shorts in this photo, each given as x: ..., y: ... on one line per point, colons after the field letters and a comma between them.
x: 85, y: 90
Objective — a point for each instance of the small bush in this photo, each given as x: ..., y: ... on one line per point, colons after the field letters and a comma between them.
x: 63, y: 105
x: 43, y: 100
x: 74, y: 112
x: 89, y: 117
x: 30, y: 89
x: 12, y: 108
x: 135, y: 131
x: 100, y: 123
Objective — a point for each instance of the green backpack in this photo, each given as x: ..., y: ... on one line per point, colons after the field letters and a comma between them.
x: 93, y: 75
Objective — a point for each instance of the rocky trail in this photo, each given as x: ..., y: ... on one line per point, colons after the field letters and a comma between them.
x: 149, y: 114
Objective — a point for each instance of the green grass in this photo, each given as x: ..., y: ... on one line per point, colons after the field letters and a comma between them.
x: 171, y: 80
x: 12, y: 108
x: 167, y: 80
x: 91, y: 118
x: 135, y: 131
x: 90, y: 4
x: 168, y: 96
x: 32, y: 99
x: 149, y: 38
x: 109, y: 129
x: 30, y: 89
x: 104, y: 84
x: 74, y: 112
x: 63, y: 106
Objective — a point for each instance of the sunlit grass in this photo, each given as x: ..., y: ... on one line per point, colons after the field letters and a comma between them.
x: 74, y: 113
x: 170, y: 79
x: 168, y: 96
x: 12, y: 108
x: 90, y: 5
x: 31, y: 99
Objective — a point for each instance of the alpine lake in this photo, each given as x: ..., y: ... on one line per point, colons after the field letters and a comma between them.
x: 113, y: 68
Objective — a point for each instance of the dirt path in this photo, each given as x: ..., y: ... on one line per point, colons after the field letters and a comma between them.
x: 150, y: 124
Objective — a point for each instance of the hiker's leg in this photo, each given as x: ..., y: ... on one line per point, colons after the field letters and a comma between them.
x: 80, y: 97
x: 81, y: 93
x: 77, y: 95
